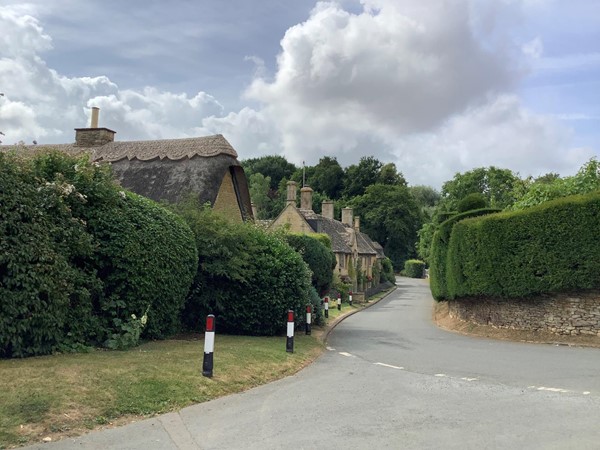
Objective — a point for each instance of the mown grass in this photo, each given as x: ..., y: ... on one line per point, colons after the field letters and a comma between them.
x: 68, y: 394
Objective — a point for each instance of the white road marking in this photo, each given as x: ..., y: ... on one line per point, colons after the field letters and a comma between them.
x: 469, y: 379
x: 331, y: 349
x: 347, y: 354
x: 389, y: 365
x: 587, y: 393
x: 440, y: 375
x: 549, y: 389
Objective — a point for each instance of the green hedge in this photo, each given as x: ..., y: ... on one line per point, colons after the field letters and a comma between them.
x: 320, y: 259
x: 387, y: 271
x: 547, y: 248
x: 247, y: 277
x: 414, y: 268
x: 79, y: 256
x: 439, y: 250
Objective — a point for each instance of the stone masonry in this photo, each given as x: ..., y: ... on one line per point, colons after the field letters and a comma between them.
x: 565, y: 314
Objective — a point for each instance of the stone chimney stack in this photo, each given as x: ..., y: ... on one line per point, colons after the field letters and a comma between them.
x: 93, y: 136
x: 306, y: 198
x: 254, y: 210
x: 291, y: 193
x: 95, y: 115
x: 327, y: 209
x: 357, y: 223
x: 347, y: 216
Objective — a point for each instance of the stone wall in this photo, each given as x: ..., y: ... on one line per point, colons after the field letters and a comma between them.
x: 565, y: 314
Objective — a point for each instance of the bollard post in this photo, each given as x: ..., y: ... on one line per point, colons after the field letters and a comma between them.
x: 326, y: 307
x: 209, y: 346
x: 289, y: 344
x: 339, y: 302
x: 308, y: 318
x: 350, y: 298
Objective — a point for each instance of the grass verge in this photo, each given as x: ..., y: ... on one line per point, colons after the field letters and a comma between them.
x: 69, y: 394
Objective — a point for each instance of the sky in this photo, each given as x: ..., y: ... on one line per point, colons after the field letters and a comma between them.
x: 436, y: 87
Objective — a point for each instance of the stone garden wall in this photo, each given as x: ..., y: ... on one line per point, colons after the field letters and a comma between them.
x: 565, y: 314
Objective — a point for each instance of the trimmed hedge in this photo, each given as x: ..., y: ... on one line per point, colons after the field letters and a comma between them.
x: 439, y: 250
x: 414, y: 268
x: 320, y: 259
x: 547, y: 248
x: 247, y: 277
x: 387, y: 271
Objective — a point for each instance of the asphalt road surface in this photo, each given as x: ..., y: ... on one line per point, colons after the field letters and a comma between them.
x: 392, y: 380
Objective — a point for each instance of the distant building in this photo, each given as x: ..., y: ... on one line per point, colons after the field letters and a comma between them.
x: 352, y: 248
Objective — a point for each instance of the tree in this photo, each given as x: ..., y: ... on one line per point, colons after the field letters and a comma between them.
x: 327, y: 177
x: 359, y: 177
x: 390, y: 215
x: 497, y: 185
x: 388, y: 174
x: 275, y: 167
x: 259, y: 187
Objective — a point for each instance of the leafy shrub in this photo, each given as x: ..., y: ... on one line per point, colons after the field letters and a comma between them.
x: 41, y: 247
x: 414, y: 268
x: 472, y: 201
x: 548, y: 248
x: 79, y: 257
x: 387, y: 273
x: 146, y: 258
x: 319, y: 258
x: 247, y: 277
x: 439, y: 251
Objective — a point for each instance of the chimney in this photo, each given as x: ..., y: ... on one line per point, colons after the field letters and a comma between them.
x: 95, y: 114
x: 291, y: 193
x: 327, y: 209
x: 254, y: 210
x: 357, y: 223
x: 93, y: 136
x: 347, y: 216
x: 306, y: 198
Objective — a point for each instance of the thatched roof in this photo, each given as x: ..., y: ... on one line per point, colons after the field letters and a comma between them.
x: 173, y: 149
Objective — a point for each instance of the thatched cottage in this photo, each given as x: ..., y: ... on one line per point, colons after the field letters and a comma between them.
x: 352, y: 248
x: 167, y: 169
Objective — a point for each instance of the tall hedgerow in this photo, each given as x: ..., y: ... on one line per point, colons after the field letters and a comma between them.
x: 81, y: 257
x: 247, y: 277
x: 548, y: 248
x: 439, y: 250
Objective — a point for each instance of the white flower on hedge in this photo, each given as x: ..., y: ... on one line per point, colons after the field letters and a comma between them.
x: 122, y: 194
x: 144, y: 319
x: 133, y: 316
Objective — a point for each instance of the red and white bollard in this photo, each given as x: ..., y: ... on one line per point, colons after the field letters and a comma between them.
x: 326, y: 307
x: 350, y: 298
x: 289, y: 344
x: 209, y: 346
x: 308, y: 318
x: 339, y: 301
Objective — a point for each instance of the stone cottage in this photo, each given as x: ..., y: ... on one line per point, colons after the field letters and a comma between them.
x: 351, y: 247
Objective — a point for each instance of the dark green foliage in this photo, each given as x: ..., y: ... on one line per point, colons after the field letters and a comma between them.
x: 41, y: 247
x: 472, y: 201
x: 387, y: 271
x: 146, y: 258
x: 274, y: 166
x: 439, y: 251
x: 248, y: 278
x: 327, y: 177
x: 319, y: 258
x: 547, y: 248
x: 414, y: 268
x: 79, y: 256
x: 389, y: 215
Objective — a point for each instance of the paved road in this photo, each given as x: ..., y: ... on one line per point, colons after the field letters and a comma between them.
x: 391, y: 379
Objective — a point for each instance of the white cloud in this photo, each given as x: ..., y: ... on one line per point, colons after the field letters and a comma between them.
x: 427, y: 87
